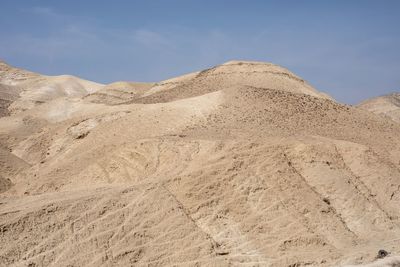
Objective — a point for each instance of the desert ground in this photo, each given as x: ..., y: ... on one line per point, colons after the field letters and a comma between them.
x: 387, y: 105
x: 242, y: 164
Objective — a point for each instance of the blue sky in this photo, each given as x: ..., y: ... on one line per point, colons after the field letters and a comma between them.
x: 349, y: 49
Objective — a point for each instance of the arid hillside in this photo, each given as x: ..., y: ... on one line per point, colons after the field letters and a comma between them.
x: 242, y: 164
x: 387, y: 105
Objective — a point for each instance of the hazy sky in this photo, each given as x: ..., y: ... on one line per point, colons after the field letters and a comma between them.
x: 349, y: 49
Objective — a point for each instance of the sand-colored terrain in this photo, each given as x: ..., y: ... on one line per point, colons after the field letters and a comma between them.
x: 387, y: 105
x: 243, y: 164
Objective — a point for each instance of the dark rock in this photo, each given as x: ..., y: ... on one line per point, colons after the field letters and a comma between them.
x: 382, y: 253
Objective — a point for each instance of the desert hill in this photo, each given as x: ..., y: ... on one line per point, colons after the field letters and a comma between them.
x: 24, y: 90
x: 241, y: 164
x: 232, y: 73
x: 119, y: 93
x: 387, y: 105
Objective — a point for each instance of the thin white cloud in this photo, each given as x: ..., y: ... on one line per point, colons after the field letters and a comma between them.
x: 151, y: 39
x: 43, y: 11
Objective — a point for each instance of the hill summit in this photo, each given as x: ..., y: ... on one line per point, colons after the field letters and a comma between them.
x: 387, y: 105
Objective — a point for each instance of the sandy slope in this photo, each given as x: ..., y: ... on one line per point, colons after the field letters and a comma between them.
x: 25, y: 90
x: 388, y: 105
x: 241, y: 164
x: 119, y: 93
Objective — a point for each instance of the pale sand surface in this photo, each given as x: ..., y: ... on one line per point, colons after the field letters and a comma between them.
x: 241, y: 164
x: 387, y: 105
